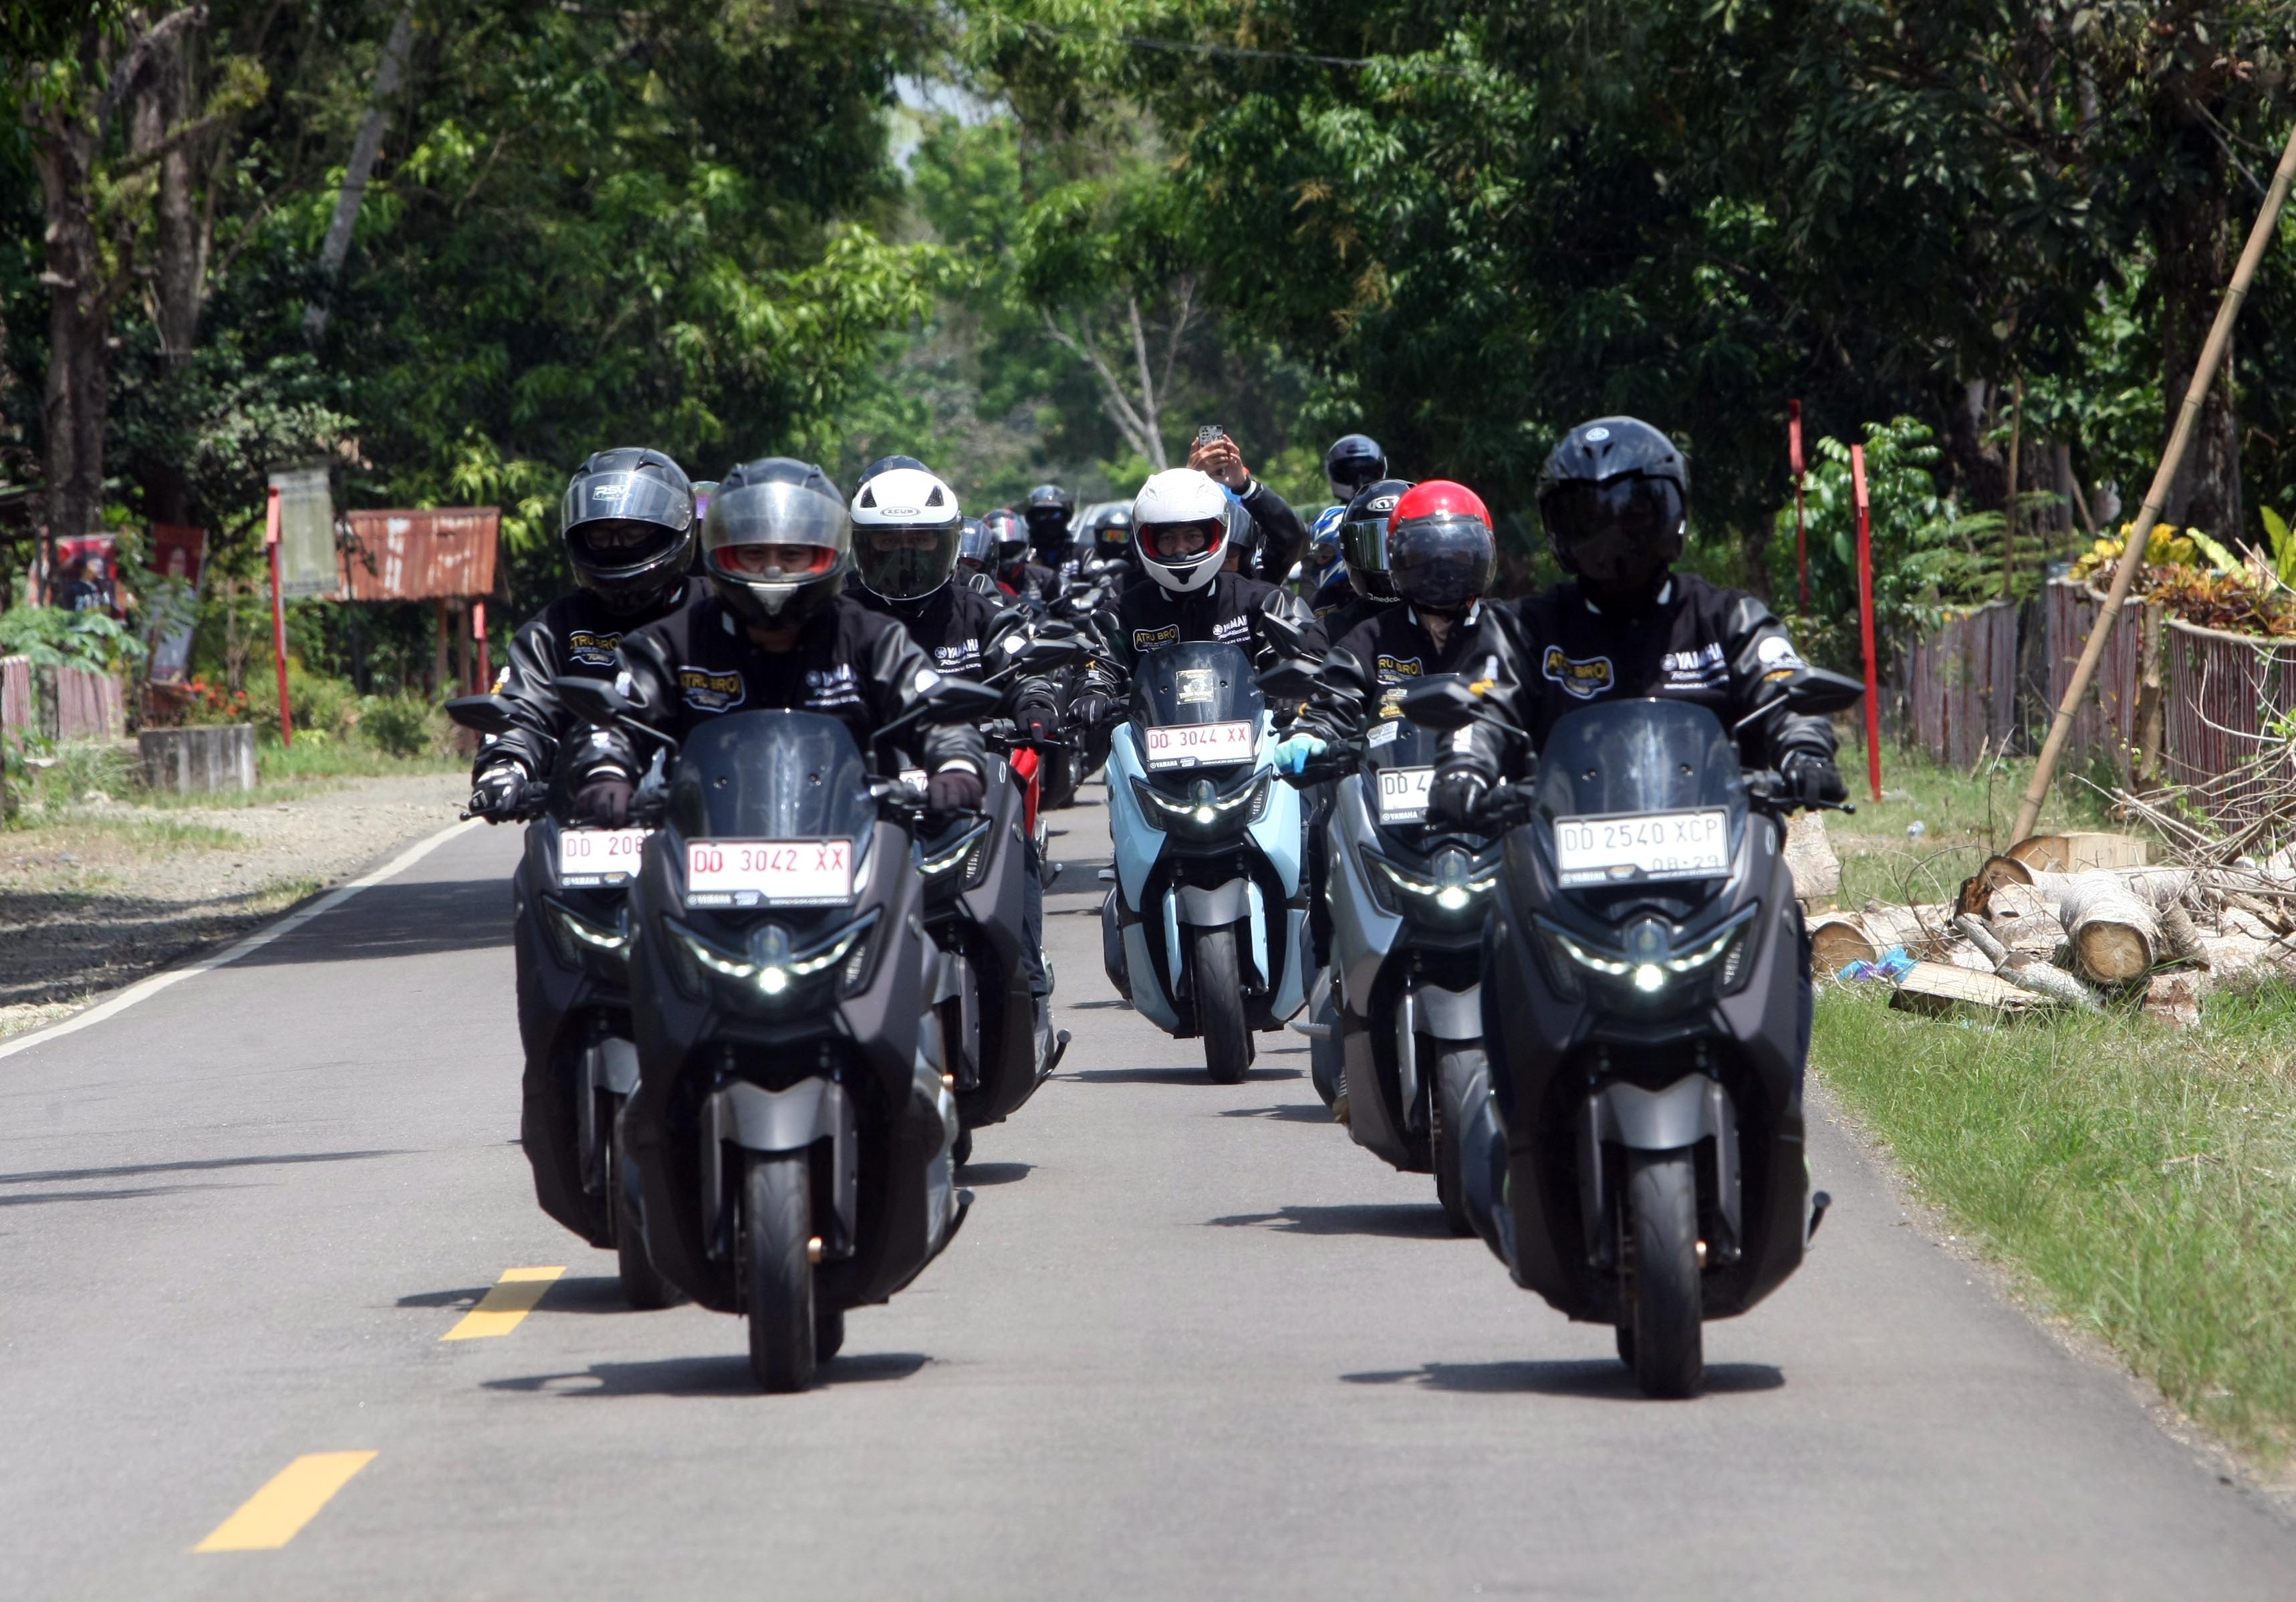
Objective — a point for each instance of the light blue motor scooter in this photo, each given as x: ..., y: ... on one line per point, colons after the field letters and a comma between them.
x: 1205, y: 928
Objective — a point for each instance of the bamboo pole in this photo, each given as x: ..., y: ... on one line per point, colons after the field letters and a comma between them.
x: 2009, y: 511
x: 2180, y: 440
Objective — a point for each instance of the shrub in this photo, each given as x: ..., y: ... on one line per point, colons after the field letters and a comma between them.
x: 401, y: 725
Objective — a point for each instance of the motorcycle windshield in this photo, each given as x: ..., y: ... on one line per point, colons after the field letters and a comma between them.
x: 1200, y: 681
x: 1650, y: 759
x: 772, y: 776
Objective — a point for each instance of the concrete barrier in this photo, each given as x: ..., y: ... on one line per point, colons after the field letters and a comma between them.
x: 218, y: 756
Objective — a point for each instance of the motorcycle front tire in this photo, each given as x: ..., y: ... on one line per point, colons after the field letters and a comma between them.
x: 1665, y: 1342
x: 644, y: 1285
x: 1455, y: 1069
x: 1219, y: 1006
x: 777, y: 1231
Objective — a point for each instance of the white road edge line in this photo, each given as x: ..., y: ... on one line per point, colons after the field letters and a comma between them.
x: 143, y: 989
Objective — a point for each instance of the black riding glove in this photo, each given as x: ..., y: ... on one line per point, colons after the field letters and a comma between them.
x: 604, y: 800
x: 1455, y: 796
x: 1088, y: 710
x: 1812, y: 778
x: 497, y: 793
x: 1041, y: 725
x: 955, y: 790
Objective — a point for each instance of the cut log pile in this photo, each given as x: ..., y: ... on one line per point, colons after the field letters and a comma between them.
x: 2075, y: 920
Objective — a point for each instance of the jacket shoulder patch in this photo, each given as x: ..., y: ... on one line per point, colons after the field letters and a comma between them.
x: 1584, y: 677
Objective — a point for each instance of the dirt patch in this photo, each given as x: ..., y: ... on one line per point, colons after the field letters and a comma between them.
x: 96, y: 896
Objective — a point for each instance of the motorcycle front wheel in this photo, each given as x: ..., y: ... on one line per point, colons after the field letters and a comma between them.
x: 1457, y: 1074
x: 644, y: 1285
x: 777, y: 1233
x: 1664, y: 1338
x: 1219, y: 1007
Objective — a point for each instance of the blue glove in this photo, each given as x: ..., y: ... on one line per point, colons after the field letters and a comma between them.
x: 1296, y: 751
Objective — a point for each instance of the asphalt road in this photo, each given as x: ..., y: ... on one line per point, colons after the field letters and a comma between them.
x: 1192, y: 1342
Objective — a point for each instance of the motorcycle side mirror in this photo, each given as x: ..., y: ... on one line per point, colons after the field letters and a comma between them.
x: 1810, y: 691
x: 962, y: 698
x: 487, y: 713
x: 594, y: 700
x: 1047, y: 655
x: 1442, y: 702
x: 1291, y: 680
x: 1288, y: 638
x: 1821, y: 694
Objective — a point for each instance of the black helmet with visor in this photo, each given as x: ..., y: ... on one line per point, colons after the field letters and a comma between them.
x: 777, y: 541
x: 1353, y: 461
x: 1363, y: 538
x: 1615, y: 500
x: 627, y: 521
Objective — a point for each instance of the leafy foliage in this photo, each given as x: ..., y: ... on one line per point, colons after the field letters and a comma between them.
x: 51, y: 638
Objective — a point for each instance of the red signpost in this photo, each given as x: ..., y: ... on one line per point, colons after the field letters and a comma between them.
x: 1801, y: 531
x: 278, y: 616
x: 1865, y: 619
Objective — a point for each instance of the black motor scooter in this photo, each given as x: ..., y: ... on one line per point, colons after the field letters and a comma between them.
x: 1645, y: 996
x: 572, y: 935
x: 790, y: 1138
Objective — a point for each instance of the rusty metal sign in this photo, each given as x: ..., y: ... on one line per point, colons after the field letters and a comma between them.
x: 446, y: 552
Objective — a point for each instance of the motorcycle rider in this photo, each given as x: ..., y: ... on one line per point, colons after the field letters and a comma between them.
x: 1020, y: 578
x: 1282, y: 536
x: 1353, y: 461
x: 775, y: 629
x: 1111, y: 532
x: 1364, y: 587
x: 1443, y: 554
x: 1180, y: 537
x: 1614, y: 498
x: 1048, y: 511
x: 906, y: 526
x: 627, y: 521
x: 976, y: 560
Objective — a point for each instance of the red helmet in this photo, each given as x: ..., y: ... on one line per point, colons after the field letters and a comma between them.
x: 1441, y: 548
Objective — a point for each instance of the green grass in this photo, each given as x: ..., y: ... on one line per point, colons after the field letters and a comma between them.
x: 2142, y: 1184
x: 308, y: 759
x: 140, y: 831
x: 1964, y: 819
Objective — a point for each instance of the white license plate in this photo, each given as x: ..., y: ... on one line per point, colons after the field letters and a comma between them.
x: 1403, y: 794
x: 1657, y: 845
x: 590, y: 857
x: 768, y: 873
x: 1200, y: 744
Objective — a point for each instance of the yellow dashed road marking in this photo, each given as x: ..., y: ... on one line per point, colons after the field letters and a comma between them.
x: 512, y: 1297
x: 269, y: 1519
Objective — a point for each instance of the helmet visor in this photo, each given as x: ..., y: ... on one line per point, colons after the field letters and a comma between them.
x: 774, y: 514
x: 775, y: 564
x: 904, y: 561
x: 1180, y: 542
x: 625, y: 497
x: 1441, y: 562
x: 1363, y: 543
x: 1639, y: 512
x: 614, y: 544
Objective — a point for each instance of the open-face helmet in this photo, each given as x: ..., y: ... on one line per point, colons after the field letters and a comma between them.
x: 1353, y: 461
x: 1441, y: 552
x: 1180, y: 529
x: 906, y: 526
x: 1363, y: 538
x: 777, y: 541
x: 1615, y: 500
x: 627, y: 521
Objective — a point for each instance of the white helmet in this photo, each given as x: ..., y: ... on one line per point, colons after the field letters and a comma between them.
x: 905, y: 527
x: 1180, y: 500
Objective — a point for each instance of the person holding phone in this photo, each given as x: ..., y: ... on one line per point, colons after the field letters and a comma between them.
x: 1282, y: 536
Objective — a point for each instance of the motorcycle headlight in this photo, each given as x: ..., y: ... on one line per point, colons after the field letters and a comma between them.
x: 579, y: 938
x: 1206, y: 809
x: 771, y: 970
x: 1453, y: 887
x: 959, y: 853
x: 1649, y: 966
